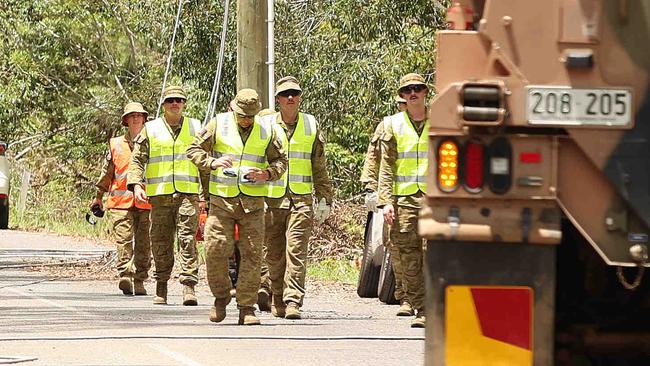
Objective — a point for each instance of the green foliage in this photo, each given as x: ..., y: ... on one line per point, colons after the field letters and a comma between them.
x: 68, y: 66
x: 337, y: 270
x: 56, y: 207
x: 350, y: 54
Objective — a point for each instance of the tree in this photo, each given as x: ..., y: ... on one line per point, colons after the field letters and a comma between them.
x: 68, y: 66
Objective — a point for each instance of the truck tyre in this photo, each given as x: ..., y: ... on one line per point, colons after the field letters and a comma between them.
x: 386, y: 287
x: 373, y: 255
x: 4, y: 214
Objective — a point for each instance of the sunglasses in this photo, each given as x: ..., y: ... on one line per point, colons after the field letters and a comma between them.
x: 174, y: 100
x: 289, y: 93
x: 409, y: 88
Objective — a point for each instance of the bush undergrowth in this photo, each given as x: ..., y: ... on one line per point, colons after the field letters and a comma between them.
x: 338, y: 270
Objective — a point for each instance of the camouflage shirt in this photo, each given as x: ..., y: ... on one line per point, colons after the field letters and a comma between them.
x: 370, y: 173
x: 320, y: 177
x: 387, y: 171
x: 200, y: 153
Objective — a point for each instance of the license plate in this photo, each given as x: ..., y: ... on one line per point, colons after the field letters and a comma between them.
x: 581, y: 107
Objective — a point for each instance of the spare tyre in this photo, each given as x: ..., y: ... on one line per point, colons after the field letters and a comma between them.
x: 373, y: 255
x: 386, y: 286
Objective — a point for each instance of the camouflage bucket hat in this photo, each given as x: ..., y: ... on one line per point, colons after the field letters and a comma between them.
x: 287, y: 83
x: 246, y: 103
x: 133, y: 107
x: 174, y: 92
x: 411, y: 79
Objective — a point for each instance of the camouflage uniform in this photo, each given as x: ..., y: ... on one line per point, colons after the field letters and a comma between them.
x: 265, y: 276
x: 404, y: 231
x: 133, y: 256
x: 170, y: 214
x: 369, y: 179
x: 246, y: 211
x: 289, y: 222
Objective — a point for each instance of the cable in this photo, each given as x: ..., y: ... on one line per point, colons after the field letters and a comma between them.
x: 212, y: 103
x: 169, y: 57
x: 218, y: 337
x: 26, y: 284
x: 16, y: 359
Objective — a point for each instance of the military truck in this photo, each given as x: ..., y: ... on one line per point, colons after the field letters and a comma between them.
x: 537, y: 210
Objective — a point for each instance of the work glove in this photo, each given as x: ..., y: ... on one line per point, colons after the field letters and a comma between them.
x: 371, y: 201
x: 322, y: 211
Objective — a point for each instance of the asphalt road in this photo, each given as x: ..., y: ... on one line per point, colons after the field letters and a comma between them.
x: 64, y: 321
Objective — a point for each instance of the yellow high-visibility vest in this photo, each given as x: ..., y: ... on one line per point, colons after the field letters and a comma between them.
x: 168, y: 169
x: 412, y: 156
x: 228, y: 142
x: 299, y: 174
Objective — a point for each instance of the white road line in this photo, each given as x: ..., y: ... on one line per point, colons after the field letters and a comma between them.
x: 45, y: 301
x: 175, y: 355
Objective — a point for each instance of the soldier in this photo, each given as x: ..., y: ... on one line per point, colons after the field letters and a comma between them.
x: 130, y: 217
x: 243, y: 153
x: 172, y: 186
x: 369, y: 178
x: 402, y: 185
x: 264, y: 293
x: 289, y: 219
x: 401, y: 103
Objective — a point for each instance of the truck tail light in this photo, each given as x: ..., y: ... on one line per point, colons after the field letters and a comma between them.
x: 473, y: 166
x: 3, y: 148
x: 500, y: 165
x: 3, y: 196
x: 448, y: 166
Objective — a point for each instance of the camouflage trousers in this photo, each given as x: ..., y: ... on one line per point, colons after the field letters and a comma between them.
x: 131, y: 234
x: 175, y: 215
x: 410, y: 249
x: 287, y: 239
x: 220, y: 245
x: 400, y: 285
x: 265, y: 277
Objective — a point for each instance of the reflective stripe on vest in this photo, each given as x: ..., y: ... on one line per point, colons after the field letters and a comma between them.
x: 299, y: 173
x: 118, y: 196
x: 228, y: 142
x: 168, y: 169
x: 412, y: 156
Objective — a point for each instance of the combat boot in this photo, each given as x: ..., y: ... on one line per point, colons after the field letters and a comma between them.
x: 278, y: 308
x: 218, y: 311
x: 189, y: 298
x: 263, y: 300
x: 419, y: 321
x: 247, y: 316
x: 126, y: 286
x: 405, y: 308
x: 161, y: 293
x: 292, y: 311
x: 138, y: 288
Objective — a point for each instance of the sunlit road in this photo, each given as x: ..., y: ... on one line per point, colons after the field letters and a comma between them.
x: 73, y: 322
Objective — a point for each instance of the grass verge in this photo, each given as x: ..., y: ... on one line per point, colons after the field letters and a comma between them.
x: 338, y: 270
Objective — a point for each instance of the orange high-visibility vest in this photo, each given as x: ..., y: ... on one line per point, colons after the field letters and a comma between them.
x: 118, y: 196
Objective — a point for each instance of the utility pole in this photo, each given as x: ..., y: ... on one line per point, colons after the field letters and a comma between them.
x: 251, y: 47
